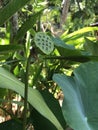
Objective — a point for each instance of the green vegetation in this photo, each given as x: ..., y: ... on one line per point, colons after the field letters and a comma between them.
x: 48, y: 65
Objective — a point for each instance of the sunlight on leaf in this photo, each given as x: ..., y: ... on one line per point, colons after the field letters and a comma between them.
x: 77, y: 37
x: 7, y: 80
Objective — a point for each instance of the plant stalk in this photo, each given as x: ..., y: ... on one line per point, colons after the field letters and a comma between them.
x: 26, y: 93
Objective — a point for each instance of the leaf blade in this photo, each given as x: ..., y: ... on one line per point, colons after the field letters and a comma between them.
x: 80, y: 107
x: 40, y: 105
x: 10, y: 9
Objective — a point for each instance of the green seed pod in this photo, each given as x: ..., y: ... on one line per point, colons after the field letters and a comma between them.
x: 44, y: 42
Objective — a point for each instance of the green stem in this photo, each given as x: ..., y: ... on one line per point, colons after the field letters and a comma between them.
x: 72, y: 58
x: 26, y: 93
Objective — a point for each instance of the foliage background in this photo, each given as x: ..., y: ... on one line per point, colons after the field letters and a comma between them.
x: 22, y: 63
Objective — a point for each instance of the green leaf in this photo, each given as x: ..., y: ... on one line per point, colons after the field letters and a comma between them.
x: 12, y: 7
x: 80, y: 106
x: 68, y: 52
x: 7, y: 80
x: 72, y: 37
x: 91, y: 47
x: 9, y: 48
x: 54, y: 105
x: 3, y: 57
x: 2, y: 93
x: 65, y: 49
x: 41, y: 123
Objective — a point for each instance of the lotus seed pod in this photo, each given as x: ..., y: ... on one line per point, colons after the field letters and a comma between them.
x: 44, y: 42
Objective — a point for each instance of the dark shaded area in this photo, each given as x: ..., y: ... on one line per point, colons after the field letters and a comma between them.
x: 41, y: 123
x: 11, y: 125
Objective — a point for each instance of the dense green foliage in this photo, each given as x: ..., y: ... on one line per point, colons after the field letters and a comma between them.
x: 42, y: 60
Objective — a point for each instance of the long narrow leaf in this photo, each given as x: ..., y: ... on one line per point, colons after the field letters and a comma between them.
x: 77, y: 34
x: 68, y: 52
x: 10, y: 48
x: 12, y: 7
x: 7, y: 80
